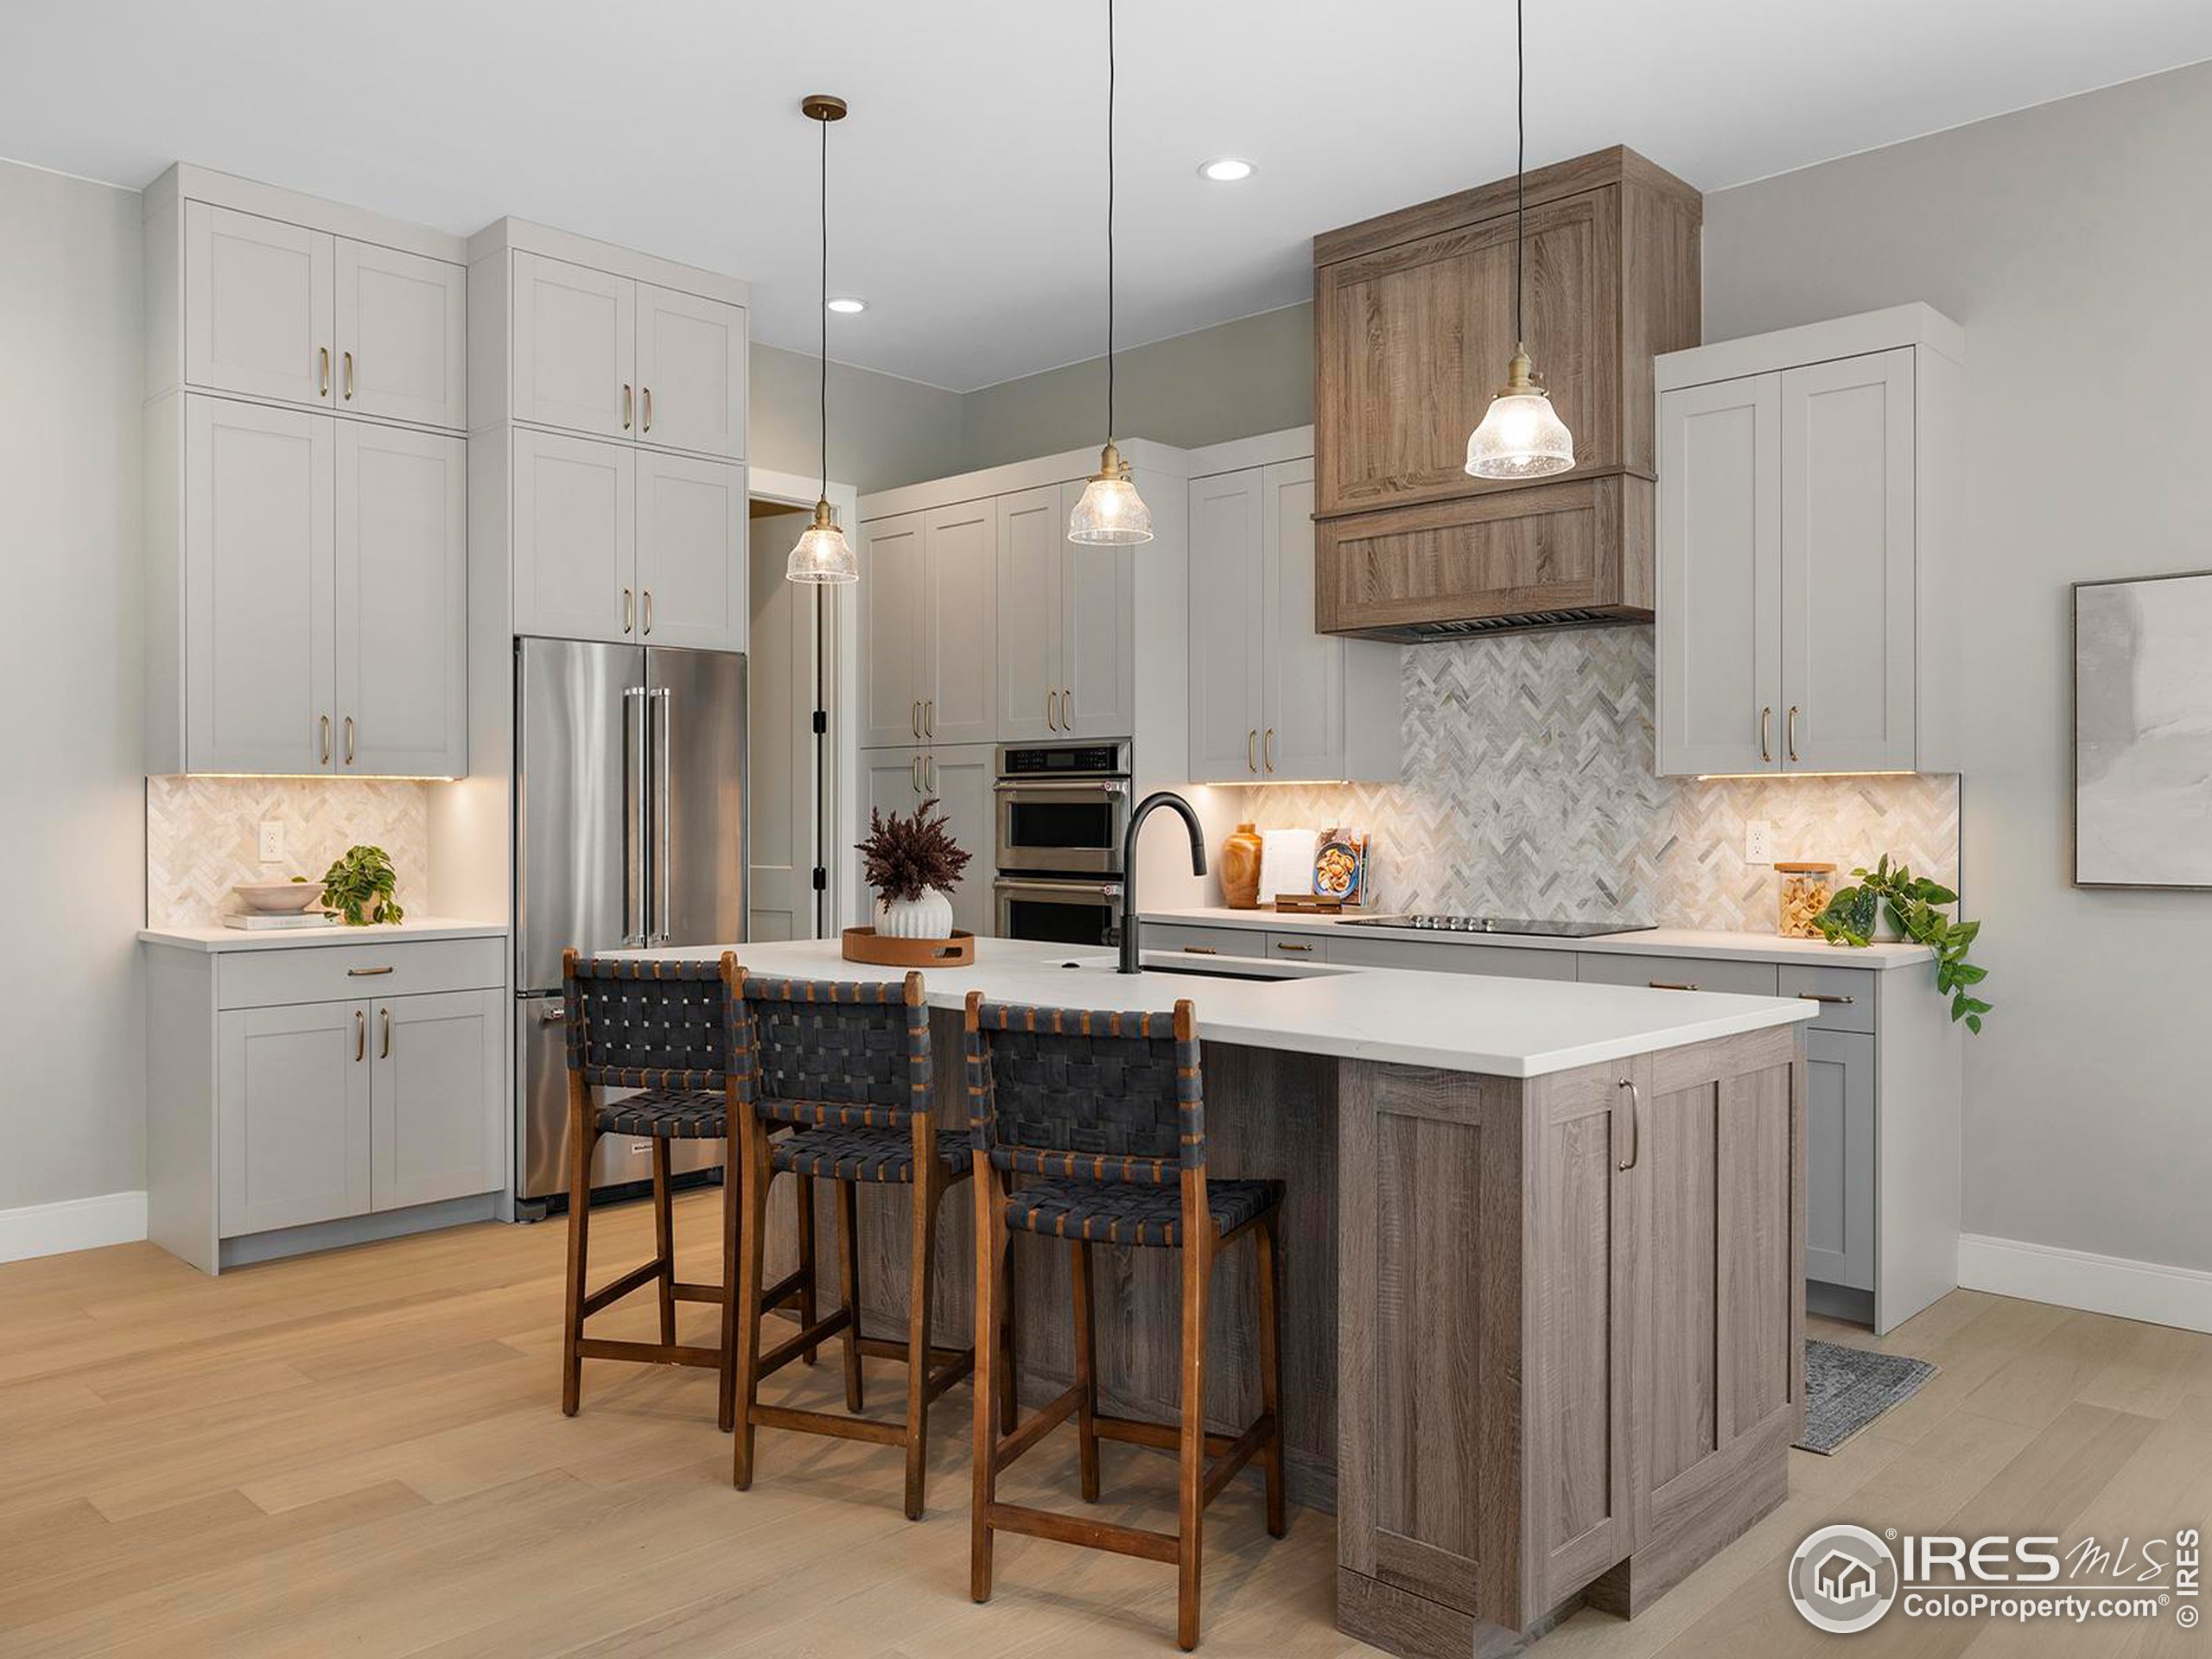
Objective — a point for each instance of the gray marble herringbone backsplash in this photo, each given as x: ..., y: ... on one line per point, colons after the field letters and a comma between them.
x: 1529, y: 790
x: 202, y: 833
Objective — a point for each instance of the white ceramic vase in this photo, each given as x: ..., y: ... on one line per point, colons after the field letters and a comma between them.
x: 929, y: 917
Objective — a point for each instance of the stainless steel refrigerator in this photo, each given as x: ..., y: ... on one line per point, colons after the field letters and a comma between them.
x: 629, y: 815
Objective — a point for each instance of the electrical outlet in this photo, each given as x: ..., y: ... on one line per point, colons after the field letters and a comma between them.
x: 272, y: 841
x: 1758, y: 841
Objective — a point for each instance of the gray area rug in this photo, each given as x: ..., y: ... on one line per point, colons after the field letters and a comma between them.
x: 1847, y: 1388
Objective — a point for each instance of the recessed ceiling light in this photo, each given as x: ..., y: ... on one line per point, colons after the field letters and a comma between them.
x: 846, y: 304
x: 1226, y: 170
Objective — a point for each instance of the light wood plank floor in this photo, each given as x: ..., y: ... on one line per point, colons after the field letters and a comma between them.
x: 362, y: 1452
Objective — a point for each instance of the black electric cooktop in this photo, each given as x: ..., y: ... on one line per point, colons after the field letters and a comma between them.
x: 1432, y: 923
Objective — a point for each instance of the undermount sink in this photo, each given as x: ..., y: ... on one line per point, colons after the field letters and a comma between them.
x: 1253, y: 970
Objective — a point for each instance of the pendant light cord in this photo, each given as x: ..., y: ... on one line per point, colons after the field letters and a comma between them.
x: 1110, y: 220
x: 1520, y: 165
x: 825, y: 311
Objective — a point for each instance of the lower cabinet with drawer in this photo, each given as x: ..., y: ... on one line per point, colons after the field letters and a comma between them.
x: 268, y: 1112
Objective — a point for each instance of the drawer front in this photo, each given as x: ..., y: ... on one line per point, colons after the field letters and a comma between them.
x: 1204, y: 941
x: 1846, y: 995
x: 1498, y: 961
x: 1301, y: 947
x: 262, y: 979
x: 1677, y: 973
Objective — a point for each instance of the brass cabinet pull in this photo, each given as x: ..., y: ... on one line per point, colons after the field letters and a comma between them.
x: 1052, y: 711
x: 349, y: 739
x: 625, y: 610
x: 1067, y: 703
x: 1251, y: 750
x: 322, y: 355
x: 360, y: 1036
x: 366, y: 973
x: 1827, y: 997
x: 914, y: 773
x: 1285, y: 945
x: 1790, y: 729
x: 1766, y: 749
x: 929, y: 717
x: 914, y: 716
x: 325, y: 719
x: 1200, y: 951
x: 349, y: 377
x: 384, y: 1050
x: 1662, y: 985
x: 626, y: 406
x: 646, y: 394
x: 1635, y: 1133
x: 1268, y: 749
x: 929, y: 774
x: 648, y: 629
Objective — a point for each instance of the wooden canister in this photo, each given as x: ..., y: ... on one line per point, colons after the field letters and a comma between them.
x: 1240, y: 869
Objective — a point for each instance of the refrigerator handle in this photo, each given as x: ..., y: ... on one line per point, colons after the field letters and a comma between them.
x: 658, y: 929
x: 633, y: 813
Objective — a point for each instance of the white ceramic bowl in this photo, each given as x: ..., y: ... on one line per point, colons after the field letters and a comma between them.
x: 276, y: 897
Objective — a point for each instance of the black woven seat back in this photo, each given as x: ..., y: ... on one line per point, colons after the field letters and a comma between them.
x: 852, y: 1054
x: 1098, y: 1096
x: 635, y: 1024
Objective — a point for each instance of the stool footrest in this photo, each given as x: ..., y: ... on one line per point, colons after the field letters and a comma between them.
x: 1039, y: 1423
x: 822, y: 1423
x: 952, y: 1372
x: 885, y: 1348
x: 785, y: 1289
x: 650, y: 1353
x: 688, y: 1293
x: 1224, y: 1468
x: 1161, y: 1437
x: 809, y: 1336
x: 609, y: 1294
x: 1081, y: 1530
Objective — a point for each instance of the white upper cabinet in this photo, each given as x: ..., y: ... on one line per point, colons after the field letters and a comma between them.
x: 402, y: 347
x: 893, y: 583
x: 690, y: 552
x: 575, y: 538
x: 960, y: 567
x: 277, y: 311
x: 1807, y: 550
x: 259, y: 306
x: 1270, y: 699
x: 690, y: 367
x: 605, y: 354
x: 1098, y: 628
x: 402, y: 657
x: 1031, y: 532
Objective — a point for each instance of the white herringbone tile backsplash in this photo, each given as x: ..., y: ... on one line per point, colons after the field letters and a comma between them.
x: 202, y: 838
x: 1529, y: 790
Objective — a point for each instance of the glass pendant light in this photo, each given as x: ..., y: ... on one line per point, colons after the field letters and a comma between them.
x: 1522, y: 436
x: 1111, y: 512
x: 822, y: 554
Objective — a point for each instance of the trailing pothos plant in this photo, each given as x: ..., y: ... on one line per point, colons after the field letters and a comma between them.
x: 362, y: 886
x: 1916, y: 906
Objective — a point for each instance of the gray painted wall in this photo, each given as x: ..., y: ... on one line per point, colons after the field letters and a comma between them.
x: 2072, y: 242
x: 72, y: 836
x: 883, y: 431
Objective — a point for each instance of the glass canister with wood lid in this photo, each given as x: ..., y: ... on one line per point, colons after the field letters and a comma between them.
x: 1804, y: 891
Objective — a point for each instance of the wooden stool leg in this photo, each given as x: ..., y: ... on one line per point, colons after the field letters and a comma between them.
x: 848, y: 1286
x: 928, y: 1187
x: 807, y: 1303
x: 732, y: 1183
x: 1086, y: 1367
x: 664, y: 1240
x: 751, y: 1254
x: 1270, y: 1269
x: 582, y: 1138
x: 990, y: 1245
x: 1009, y: 1389
x: 1190, y: 1473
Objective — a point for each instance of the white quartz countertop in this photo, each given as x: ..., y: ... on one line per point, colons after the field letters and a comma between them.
x: 1650, y: 942
x: 1503, y: 1028
x: 305, y: 938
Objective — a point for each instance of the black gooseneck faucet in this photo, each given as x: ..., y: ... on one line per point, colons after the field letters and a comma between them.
x: 1166, y: 798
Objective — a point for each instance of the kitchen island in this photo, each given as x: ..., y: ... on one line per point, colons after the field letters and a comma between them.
x: 1542, y: 1261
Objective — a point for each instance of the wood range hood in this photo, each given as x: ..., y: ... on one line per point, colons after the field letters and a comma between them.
x: 1413, y: 324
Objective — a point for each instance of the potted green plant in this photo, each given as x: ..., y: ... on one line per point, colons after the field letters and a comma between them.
x: 363, y: 887
x: 914, y: 864
x: 1915, y: 906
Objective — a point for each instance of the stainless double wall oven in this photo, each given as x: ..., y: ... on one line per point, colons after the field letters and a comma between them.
x: 1062, y: 810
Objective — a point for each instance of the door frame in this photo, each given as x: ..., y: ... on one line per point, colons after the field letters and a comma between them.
x: 841, y: 686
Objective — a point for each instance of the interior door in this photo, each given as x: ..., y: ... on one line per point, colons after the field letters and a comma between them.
x: 575, y: 526
x: 696, y: 787
x: 1719, y: 699
x: 575, y: 346
x: 782, y: 663
x: 1848, y: 564
x: 691, y: 589
x: 960, y: 623
x: 403, y: 349
x: 402, y: 602
x: 690, y: 372
x: 258, y: 574
x: 1098, y: 632
x: 1227, y: 533
x: 291, y: 1115
x: 892, y: 582
x: 1031, y: 532
x: 436, y: 1106
x: 961, y: 778
x: 257, y: 306
x: 1301, y: 672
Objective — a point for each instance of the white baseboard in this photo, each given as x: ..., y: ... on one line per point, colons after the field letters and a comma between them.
x: 2100, y: 1284
x: 72, y: 1224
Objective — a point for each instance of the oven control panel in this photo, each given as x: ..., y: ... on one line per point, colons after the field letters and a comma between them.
x: 1065, y: 760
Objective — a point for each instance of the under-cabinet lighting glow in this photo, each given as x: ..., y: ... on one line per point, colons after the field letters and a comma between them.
x: 1731, y: 777
x: 323, y: 777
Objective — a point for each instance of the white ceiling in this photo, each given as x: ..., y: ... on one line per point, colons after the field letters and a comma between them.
x: 969, y: 183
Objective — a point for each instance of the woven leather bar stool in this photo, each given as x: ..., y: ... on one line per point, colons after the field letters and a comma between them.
x: 847, y: 1065
x: 663, y: 1028
x: 1102, y: 1118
